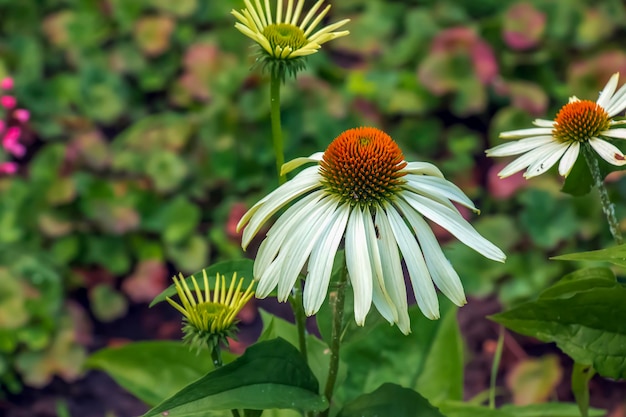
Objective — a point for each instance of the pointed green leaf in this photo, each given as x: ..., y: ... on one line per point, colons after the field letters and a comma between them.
x: 136, y: 367
x: 242, y: 267
x: 390, y: 400
x: 580, y: 281
x: 581, y: 374
x: 615, y: 255
x: 589, y: 326
x: 269, y: 374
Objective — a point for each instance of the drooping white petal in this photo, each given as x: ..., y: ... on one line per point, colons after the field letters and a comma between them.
x: 553, y: 152
x: 301, y: 243
x: 422, y: 168
x: 298, y: 162
x: 381, y: 298
x: 455, y: 224
x: 569, y: 158
x: 392, y: 269
x: 358, y: 264
x: 423, y: 286
x: 607, y: 92
x: 519, y: 146
x: 321, y: 261
x: 609, y: 152
x: 305, y: 181
x: 615, y: 133
x: 442, y: 273
x: 527, y: 159
x: 437, y: 187
x: 282, y: 229
x: 268, y: 280
x: 525, y: 133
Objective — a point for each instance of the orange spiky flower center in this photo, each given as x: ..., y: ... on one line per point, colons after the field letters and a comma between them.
x: 580, y: 120
x: 362, y: 166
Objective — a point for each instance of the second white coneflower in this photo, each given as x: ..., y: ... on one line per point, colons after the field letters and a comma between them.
x: 578, y: 123
x: 364, y: 193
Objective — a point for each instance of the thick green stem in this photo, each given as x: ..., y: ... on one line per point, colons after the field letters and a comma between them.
x: 607, y: 206
x: 216, y: 355
x: 298, y: 312
x: 581, y: 374
x: 494, y: 368
x: 277, y: 133
x: 337, y: 301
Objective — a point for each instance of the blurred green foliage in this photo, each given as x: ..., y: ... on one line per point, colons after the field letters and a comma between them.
x: 149, y: 130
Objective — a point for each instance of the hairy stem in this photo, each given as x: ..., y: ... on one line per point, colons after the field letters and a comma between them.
x: 298, y: 312
x: 607, y: 206
x: 337, y: 301
x: 277, y: 133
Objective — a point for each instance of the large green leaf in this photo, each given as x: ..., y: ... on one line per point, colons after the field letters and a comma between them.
x: 390, y: 400
x: 615, y: 255
x: 242, y: 267
x: 269, y: 374
x: 138, y: 366
x: 579, y: 281
x: 429, y: 360
x: 586, y: 321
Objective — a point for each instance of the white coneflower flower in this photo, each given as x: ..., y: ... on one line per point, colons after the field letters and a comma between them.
x: 363, y: 190
x: 286, y: 38
x: 578, y: 123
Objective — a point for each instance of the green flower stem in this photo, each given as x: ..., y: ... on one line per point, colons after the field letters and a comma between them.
x: 494, y: 368
x: 581, y: 374
x: 277, y: 133
x: 216, y: 355
x: 337, y: 301
x: 607, y: 206
x: 298, y: 311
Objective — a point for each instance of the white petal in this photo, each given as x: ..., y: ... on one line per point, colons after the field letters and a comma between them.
x: 520, y: 146
x: 607, y: 92
x: 321, y: 261
x: 529, y: 158
x: 445, y: 277
x: 568, y: 159
x: 524, y: 133
x: 543, y: 123
x: 268, y: 280
x: 615, y: 133
x: 381, y: 298
x: 438, y: 188
x: 455, y: 224
x: 392, y: 270
x: 298, y: 246
x: 610, y: 153
x: 298, y: 162
x: 541, y: 165
x: 359, y: 267
x: 423, y: 168
x: 282, y: 229
x: 423, y: 286
x: 617, y: 103
x: 307, y: 180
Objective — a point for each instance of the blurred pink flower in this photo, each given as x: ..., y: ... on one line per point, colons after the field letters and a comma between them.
x: 503, y: 188
x: 8, y: 102
x: 523, y: 26
x: 21, y: 115
x: 10, y: 142
x: 6, y: 83
x: 8, y: 168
